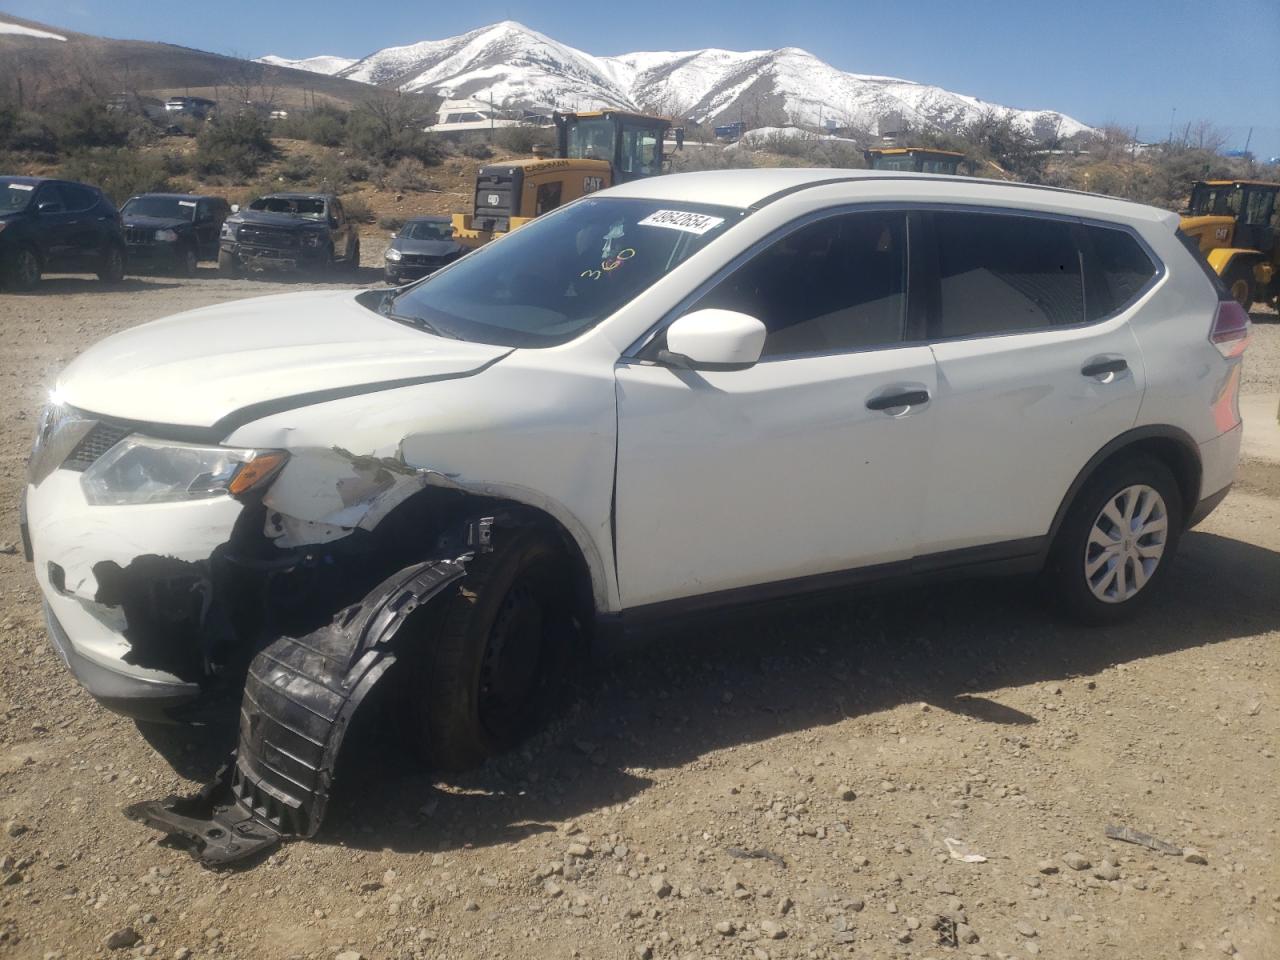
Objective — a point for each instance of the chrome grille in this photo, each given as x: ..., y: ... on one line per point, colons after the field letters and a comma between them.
x: 138, y: 235
x: 96, y: 442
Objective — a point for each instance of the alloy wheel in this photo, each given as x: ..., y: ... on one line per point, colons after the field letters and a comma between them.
x: 1126, y: 543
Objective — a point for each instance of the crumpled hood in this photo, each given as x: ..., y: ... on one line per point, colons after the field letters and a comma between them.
x: 197, y: 368
x: 269, y: 219
x: 155, y: 223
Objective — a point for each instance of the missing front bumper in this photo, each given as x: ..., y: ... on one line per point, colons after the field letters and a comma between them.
x: 299, y: 699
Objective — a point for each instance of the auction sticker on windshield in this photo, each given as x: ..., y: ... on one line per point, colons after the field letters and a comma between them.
x: 685, y: 220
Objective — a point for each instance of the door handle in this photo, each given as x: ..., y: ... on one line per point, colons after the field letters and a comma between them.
x: 1102, y: 368
x: 908, y: 398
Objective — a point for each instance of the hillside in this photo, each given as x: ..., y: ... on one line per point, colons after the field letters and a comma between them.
x: 36, y: 58
x: 518, y: 66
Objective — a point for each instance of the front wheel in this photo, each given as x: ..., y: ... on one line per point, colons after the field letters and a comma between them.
x: 228, y: 264
x: 112, y: 269
x: 1117, y: 540
x: 499, y: 653
x: 24, y: 271
x: 1239, y: 281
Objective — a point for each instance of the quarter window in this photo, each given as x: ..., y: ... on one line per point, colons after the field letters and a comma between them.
x: 1124, y: 267
x: 1005, y: 273
x: 836, y: 285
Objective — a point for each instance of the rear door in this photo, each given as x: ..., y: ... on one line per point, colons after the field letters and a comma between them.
x: 89, y: 227
x: 740, y: 479
x: 54, y: 227
x: 1038, y: 369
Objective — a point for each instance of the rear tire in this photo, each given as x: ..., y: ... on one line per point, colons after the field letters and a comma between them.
x: 500, y: 651
x: 1102, y: 570
x: 1239, y: 281
x: 228, y: 264
x: 24, y: 271
x: 112, y: 270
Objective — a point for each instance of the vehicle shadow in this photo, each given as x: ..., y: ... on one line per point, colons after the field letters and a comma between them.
x: 757, y: 676
x: 55, y: 285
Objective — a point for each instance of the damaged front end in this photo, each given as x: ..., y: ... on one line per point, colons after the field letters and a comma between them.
x: 300, y: 696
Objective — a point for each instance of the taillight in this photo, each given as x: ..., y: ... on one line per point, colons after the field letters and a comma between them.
x: 1230, y: 332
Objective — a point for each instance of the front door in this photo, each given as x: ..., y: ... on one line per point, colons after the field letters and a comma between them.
x: 796, y: 467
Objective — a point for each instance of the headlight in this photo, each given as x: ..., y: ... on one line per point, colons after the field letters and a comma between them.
x: 168, y: 236
x: 228, y: 231
x: 141, y: 470
x: 393, y: 254
x: 312, y: 239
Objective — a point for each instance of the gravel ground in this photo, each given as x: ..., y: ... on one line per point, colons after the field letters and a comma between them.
x: 790, y: 785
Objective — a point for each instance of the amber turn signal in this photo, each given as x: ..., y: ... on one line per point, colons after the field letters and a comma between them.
x: 258, y: 470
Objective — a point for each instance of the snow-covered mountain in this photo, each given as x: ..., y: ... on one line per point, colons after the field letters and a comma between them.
x: 322, y: 64
x: 520, y: 67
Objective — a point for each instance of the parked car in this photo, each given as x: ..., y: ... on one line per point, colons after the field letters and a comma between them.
x: 289, y: 231
x: 422, y: 246
x: 173, y: 231
x: 676, y: 395
x: 57, y: 226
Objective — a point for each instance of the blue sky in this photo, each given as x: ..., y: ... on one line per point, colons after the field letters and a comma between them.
x: 1131, y: 62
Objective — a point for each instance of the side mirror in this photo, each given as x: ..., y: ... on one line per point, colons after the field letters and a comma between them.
x: 49, y: 206
x: 235, y: 208
x: 713, y: 339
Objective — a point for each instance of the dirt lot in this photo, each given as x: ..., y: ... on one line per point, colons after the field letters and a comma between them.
x: 842, y: 742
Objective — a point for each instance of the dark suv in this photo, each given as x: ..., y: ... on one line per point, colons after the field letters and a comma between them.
x: 48, y: 225
x: 291, y: 231
x: 173, y: 231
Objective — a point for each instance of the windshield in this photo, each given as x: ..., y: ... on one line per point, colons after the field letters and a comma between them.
x: 166, y: 208
x: 427, y: 230
x: 1218, y: 200
x: 547, y: 282
x: 312, y: 207
x: 591, y: 139
x: 14, y: 196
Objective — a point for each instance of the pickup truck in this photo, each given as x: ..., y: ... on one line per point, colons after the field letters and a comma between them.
x: 289, y: 231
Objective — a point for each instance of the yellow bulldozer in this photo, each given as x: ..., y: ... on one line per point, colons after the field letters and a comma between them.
x: 1236, y: 224
x: 593, y: 150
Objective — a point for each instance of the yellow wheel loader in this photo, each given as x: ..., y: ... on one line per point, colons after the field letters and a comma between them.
x: 1235, y: 222
x: 593, y: 151
x: 913, y: 159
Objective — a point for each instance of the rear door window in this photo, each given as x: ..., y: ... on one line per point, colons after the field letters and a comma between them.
x: 77, y: 197
x: 833, y: 286
x: 1005, y: 273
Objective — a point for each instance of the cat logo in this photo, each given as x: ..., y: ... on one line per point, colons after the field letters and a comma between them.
x: 592, y: 184
x: 493, y: 200
x: 1221, y: 233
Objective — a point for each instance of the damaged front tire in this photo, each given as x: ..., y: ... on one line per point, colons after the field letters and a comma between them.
x: 504, y: 642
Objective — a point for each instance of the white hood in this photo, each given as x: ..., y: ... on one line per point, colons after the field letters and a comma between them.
x: 196, y: 368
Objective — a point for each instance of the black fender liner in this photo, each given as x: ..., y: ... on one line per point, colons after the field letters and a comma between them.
x: 299, y: 698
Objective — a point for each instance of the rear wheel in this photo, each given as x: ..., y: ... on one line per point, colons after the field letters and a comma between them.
x: 24, y: 270
x: 1239, y: 281
x: 491, y: 673
x: 112, y: 269
x: 228, y: 264
x: 1117, y: 540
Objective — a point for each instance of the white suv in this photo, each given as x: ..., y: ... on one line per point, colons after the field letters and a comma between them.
x: 677, y: 394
